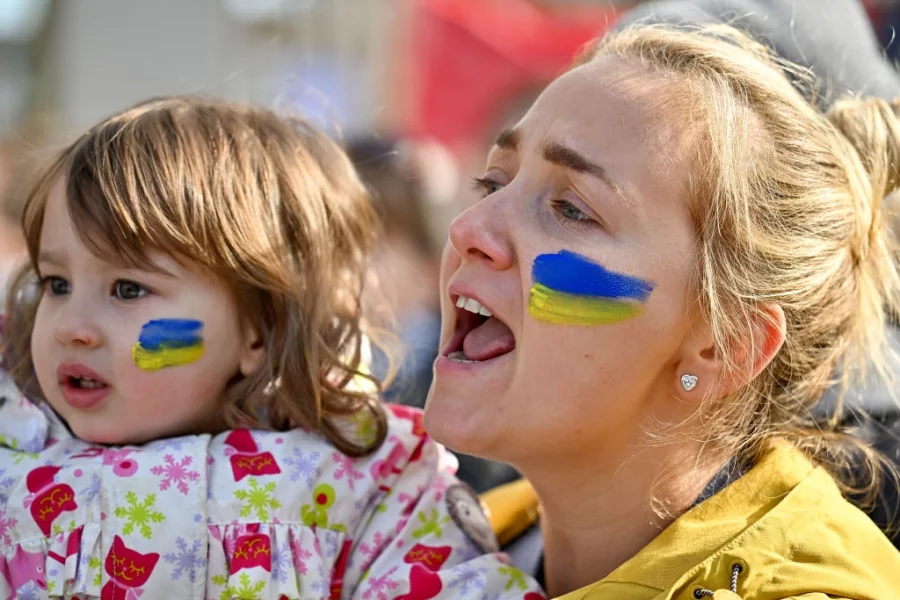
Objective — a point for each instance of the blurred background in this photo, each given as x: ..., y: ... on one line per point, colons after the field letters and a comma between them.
x: 414, y: 89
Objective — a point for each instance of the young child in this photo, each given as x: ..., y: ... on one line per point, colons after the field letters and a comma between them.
x: 200, y: 269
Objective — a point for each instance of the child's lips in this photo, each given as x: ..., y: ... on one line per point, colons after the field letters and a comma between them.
x: 83, y: 398
x: 81, y: 386
x: 76, y: 370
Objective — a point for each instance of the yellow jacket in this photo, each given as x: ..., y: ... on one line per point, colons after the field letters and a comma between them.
x: 785, y: 523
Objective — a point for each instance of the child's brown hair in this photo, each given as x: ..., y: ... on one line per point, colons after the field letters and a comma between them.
x: 267, y: 203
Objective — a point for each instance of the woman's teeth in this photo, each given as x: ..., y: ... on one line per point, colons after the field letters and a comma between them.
x: 460, y: 356
x: 473, y: 306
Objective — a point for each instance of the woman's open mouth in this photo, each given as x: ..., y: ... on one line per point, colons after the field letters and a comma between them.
x: 479, y: 335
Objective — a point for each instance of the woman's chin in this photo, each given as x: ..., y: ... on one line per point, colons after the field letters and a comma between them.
x: 461, y: 422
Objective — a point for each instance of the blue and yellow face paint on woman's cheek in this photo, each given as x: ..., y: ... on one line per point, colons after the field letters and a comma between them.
x: 570, y: 289
x: 168, y: 343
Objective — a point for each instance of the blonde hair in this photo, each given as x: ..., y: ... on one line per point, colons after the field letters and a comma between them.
x: 269, y: 205
x: 787, y: 207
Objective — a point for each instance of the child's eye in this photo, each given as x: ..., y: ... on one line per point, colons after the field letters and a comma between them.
x: 128, y: 290
x: 55, y: 286
x: 486, y: 186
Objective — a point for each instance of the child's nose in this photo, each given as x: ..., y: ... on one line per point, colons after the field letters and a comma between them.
x: 75, y: 328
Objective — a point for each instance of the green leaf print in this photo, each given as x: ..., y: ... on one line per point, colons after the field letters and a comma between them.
x: 94, y: 563
x: 139, y: 514
x: 14, y: 446
x: 516, y: 578
x: 245, y: 591
x: 219, y: 579
x: 430, y: 524
x: 57, y: 529
x: 258, y: 499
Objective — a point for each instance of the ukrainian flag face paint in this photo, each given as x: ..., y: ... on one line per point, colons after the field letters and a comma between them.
x: 168, y: 343
x: 570, y: 289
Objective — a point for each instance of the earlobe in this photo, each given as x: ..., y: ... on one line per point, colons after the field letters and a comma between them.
x: 698, y: 368
x: 708, y: 367
x: 254, y: 351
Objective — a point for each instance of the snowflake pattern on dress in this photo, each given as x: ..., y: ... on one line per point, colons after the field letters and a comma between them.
x: 303, y: 466
x: 187, y: 560
x: 468, y: 578
x: 346, y: 469
x: 139, y: 514
x: 377, y: 588
x: 92, y: 492
x: 5, y: 484
x: 178, y: 472
x: 281, y: 564
x: 6, y: 526
x: 241, y: 514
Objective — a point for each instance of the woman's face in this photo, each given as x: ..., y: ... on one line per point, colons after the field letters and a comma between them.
x: 582, y: 250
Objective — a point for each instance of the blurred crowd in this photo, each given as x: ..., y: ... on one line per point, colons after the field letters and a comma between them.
x: 415, y: 101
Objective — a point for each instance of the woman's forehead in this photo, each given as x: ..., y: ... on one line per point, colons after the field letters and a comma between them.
x: 608, y: 96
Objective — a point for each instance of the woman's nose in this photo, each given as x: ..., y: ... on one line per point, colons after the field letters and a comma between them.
x: 480, y: 235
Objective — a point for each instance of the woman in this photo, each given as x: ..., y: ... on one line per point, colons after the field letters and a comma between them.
x: 674, y: 252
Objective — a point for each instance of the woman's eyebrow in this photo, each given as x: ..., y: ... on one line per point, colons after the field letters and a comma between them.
x: 508, y: 139
x: 571, y: 159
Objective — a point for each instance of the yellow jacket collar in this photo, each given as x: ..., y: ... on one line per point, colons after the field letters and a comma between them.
x: 785, y: 522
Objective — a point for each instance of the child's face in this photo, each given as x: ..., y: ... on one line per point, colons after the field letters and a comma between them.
x: 127, y: 355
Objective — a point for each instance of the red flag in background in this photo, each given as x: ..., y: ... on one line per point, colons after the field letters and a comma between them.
x: 471, y: 58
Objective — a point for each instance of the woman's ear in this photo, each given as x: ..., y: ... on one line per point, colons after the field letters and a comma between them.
x: 254, y: 351
x: 702, y: 365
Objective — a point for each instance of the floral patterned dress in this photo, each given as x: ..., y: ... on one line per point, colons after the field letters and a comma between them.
x: 244, y: 514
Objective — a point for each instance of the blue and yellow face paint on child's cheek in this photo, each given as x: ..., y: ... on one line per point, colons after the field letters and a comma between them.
x: 168, y: 343
x: 570, y: 289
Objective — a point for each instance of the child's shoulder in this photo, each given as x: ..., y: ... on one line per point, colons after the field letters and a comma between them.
x: 309, y: 475
x: 204, y: 515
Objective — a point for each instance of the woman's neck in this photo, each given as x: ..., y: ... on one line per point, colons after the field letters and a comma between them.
x: 596, y: 515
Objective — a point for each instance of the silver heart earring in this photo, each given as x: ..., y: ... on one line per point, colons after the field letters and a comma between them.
x: 688, y: 382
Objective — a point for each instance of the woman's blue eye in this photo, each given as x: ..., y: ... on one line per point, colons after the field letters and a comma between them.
x: 128, y: 290
x: 486, y: 186
x: 570, y: 211
x: 55, y: 286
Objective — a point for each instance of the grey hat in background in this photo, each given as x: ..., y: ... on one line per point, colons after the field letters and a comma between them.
x: 833, y: 38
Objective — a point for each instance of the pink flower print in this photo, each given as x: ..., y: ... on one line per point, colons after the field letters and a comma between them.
x: 301, y: 555
x: 6, y: 526
x: 439, y: 487
x: 379, y: 587
x: 382, y: 470
x: 370, y: 552
x: 345, y: 467
x: 122, y: 465
x: 378, y: 543
x: 409, y: 501
x: 89, y: 453
x: 175, y: 472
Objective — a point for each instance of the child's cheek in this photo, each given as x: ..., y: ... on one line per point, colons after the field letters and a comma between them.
x: 166, y: 343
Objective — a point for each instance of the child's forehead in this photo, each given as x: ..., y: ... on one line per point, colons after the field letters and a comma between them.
x: 102, y: 256
x: 64, y: 242
x: 87, y: 226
